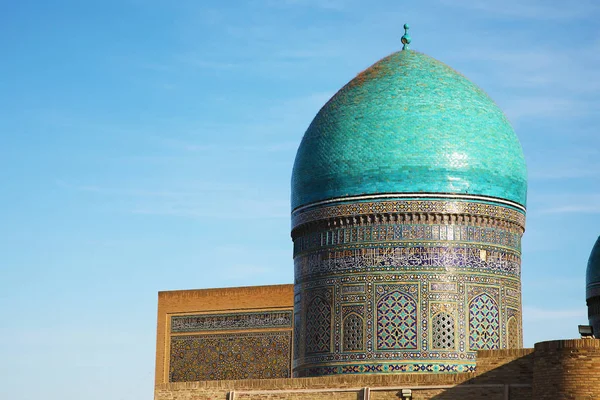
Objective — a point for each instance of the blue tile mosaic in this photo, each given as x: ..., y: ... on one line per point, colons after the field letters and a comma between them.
x: 409, y: 124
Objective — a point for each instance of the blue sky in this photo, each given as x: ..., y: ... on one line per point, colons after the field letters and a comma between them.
x: 147, y: 145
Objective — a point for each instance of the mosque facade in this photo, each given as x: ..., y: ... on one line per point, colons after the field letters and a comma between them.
x: 408, y: 207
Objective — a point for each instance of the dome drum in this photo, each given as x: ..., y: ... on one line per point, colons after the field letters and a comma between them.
x: 398, y: 277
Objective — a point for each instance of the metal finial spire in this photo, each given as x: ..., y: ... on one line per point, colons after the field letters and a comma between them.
x: 406, y: 38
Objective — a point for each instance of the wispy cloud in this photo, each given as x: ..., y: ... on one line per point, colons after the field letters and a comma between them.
x: 154, y: 66
x: 279, y: 128
x: 542, y: 314
x: 244, y: 271
x: 236, y: 201
x: 321, y: 50
x: 557, y: 164
x: 563, y: 160
x: 208, y: 63
x: 529, y: 9
x: 571, y: 204
x: 198, y: 146
x: 336, y: 5
x: 199, y: 188
x: 544, y: 80
x: 295, y: 58
x: 234, y: 210
x: 544, y: 66
x: 567, y: 172
x: 574, y: 209
x: 299, y: 111
x: 555, y: 282
x: 551, y: 106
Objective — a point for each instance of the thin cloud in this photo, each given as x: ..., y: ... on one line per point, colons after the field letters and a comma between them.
x: 211, y: 64
x: 315, y: 51
x: 193, y: 146
x: 537, y: 78
x: 541, y: 314
x: 198, y: 203
x: 549, y: 107
x: 155, y: 66
x: 576, y: 203
x: 334, y: 5
x: 580, y: 204
x: 200, y: 189
x: 252, y: 209
x: 555, y: 282
x: 573, y: 209
x: 279, y: 129
x: 528, y: 9
x: 244, y: 271
x: 543, y: 67
x: 568, y: 172
x: 555, y: 163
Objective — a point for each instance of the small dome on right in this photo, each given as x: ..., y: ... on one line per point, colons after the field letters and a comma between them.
x: 593, y: 272
x: 593, y: 288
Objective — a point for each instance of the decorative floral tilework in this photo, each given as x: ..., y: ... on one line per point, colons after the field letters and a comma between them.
x: 230, y: 356
x: 396, y: 322
x: 318, y: 326
x: 484, y: 323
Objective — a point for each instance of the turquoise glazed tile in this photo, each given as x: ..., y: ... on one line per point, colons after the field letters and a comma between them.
x: 409, y: 124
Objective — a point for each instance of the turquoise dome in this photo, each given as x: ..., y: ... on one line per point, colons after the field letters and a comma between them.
x: 592, y: 277
x: 409, y: 124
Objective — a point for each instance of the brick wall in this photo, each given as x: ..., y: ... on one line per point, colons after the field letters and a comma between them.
x: 567, y: 369
x: 207, y: 301
x: 503, y: 372
x: 513, y: 366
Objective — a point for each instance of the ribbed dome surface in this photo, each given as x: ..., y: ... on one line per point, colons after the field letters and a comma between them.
x: 593, y: 271
x: 409, y: 124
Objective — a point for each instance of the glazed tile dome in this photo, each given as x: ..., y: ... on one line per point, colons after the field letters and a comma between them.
x: 593, y: 272
x: 409, y: 124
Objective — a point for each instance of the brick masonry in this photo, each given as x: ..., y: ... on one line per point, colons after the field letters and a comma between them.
x: 501, y: 373
x: 247, y: 301
x: 567, y: 369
